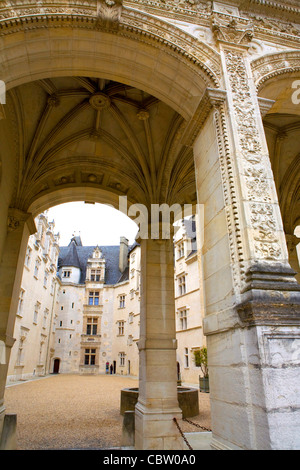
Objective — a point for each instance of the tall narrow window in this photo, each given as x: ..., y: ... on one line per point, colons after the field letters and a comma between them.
x: 36, y: 268
x: 121, y: 327
x: 46, y: 279
x: 36, y: 312
x: 183, y: 319
x: 28, y: 256
x: 122, y: 359
x: 45, y: 318
x: 180, y: 250
x: 122, y: 301
x: 21, y: 302
x: 186, y: 357
x: 181, y: 285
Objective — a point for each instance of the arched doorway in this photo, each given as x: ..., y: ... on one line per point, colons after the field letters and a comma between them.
x: 56, y: 364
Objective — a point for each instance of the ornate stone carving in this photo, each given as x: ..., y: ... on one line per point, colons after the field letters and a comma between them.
x: 253, y: 159
x: 143, y: 115
x: 270, y: 66
x: 100, y: 101
x: 12, y: 223
x: 109, y: 13
x: 233, y: 30
x: 17, y: 218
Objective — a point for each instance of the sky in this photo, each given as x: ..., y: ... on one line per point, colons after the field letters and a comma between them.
x: 97, y: 224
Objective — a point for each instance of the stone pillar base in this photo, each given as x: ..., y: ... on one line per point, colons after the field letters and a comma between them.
x: 8, y: 439
x: 156, y: 430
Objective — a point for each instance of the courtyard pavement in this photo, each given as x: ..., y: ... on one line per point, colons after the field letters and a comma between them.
x: 77, y: 412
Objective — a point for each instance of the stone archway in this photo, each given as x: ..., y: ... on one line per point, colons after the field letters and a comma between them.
x: 57, y: 116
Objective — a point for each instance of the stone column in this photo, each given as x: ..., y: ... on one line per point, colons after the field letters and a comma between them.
x: 157, y: 404
x: 20, y: 225
x: 252, y: 314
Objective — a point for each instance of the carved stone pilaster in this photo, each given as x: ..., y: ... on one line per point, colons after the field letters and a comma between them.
x: 253, y: 160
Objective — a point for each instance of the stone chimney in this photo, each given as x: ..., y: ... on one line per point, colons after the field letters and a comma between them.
x: 123, y: 256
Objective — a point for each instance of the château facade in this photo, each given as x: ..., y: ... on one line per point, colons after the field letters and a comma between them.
x: 79, y: 307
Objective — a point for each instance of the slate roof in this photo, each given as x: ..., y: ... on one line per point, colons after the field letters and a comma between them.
x: 79, y: 255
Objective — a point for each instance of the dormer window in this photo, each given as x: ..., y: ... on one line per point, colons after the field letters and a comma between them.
x: 95, y: 275
x: 67, y: 273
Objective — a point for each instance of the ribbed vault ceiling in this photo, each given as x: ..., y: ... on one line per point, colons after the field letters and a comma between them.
x: 83, y: 132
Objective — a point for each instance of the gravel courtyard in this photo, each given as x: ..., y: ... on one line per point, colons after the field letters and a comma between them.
x: 76, y: 412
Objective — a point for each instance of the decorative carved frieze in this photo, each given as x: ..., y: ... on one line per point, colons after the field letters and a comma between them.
x: 266, y: 243
x: 272, y: 65
x: 109, y: 12
x: 232, y: 30
x: 211, y: 98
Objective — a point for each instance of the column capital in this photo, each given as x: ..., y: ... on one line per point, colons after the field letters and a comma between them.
x: 232, y: 31
x: 17, y: 218
x: 212, y: 98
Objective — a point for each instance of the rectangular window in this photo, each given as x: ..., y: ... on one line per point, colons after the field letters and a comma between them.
x: 92, y: 326
x: 95, y: 275
x: 94, y: 298
x: 46, y: 313
x: 180, y: 250
x: 66, y: 273
x: 46, y: 279
x: 183, y: 319
x: 181, y: 285
x: 122, y: 359
x: 21, y: 302
x: 186, y: 357
x: 28, y: 256
x: 52, y: 287
x: 90, y: 357
x: 121, y: 327
x: 36, y: 312
x: 36, y: 268
x: 122, y: 301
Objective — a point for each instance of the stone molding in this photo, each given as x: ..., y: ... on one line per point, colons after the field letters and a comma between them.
x: 272, y: 65
x: 17, y: 218
x: 116, y: 19
x: 237, y: 31
x: 212, y: 98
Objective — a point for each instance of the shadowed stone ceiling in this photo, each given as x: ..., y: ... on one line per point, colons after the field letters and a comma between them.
x: 82, y: 132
